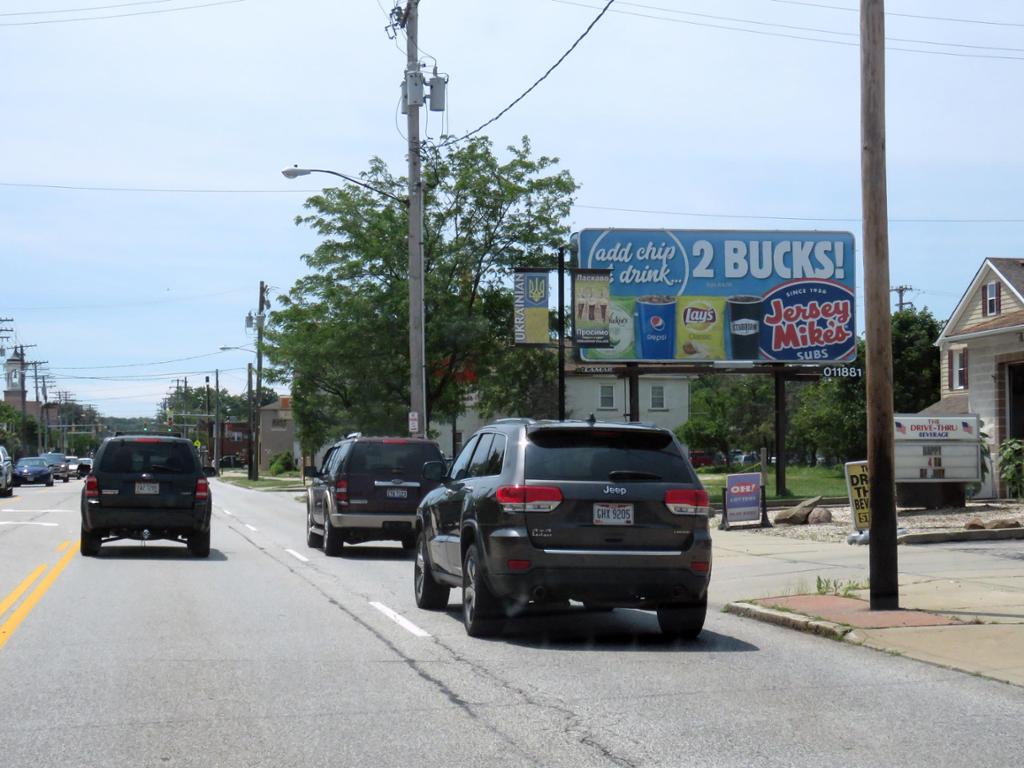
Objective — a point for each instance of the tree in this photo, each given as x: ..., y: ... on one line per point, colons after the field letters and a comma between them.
x: 915, y: 360
x: 729, y: 411
x: 341, y: 333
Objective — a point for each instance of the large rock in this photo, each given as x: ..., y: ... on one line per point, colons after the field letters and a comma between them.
x: 797, y: 515
x: 1002, y: 523
x: 820, y: 516
x: 974, y: 524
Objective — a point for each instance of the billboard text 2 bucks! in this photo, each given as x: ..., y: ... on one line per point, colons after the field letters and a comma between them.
x: 704, y: 295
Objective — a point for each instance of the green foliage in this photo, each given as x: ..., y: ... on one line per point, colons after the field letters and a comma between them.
x: 1011, y: 467
x: 827, y: 586
x: 829, y: 416
x: 915, y: 360
x: 281, y: 463
x: 341, y: 334
x: 728, y: 412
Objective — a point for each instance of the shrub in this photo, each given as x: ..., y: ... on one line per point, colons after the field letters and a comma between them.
x: 281, y: 463
x: 1011, y: 467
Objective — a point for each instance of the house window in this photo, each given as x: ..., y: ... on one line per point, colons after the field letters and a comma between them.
x: 606, y: 399
x: 990, y: 299
x: 657, y: 397
x: 960, y: 369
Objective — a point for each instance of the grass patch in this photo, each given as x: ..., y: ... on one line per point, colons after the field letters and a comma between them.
x: 826, y: 586
x: 263, y: 484
x: 800, y: 481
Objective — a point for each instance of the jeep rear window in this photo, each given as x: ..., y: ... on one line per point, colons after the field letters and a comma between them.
x: 602, y: 455
x: 398, y: 458
x: 156, y: 457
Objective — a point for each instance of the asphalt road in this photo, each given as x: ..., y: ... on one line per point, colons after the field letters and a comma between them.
x: 271, y: 654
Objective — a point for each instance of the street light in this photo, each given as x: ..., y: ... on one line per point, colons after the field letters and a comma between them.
x: 417, y: 347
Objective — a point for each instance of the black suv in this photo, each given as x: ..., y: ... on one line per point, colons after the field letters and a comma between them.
x: 367, y: 489
x: 145, y: 487
x: 58, y: 465
x: 608, y: 514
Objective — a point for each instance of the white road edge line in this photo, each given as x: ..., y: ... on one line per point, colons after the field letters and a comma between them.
x: 297, y: 556
x: 226, y: 513
x: 401, y: 621
x: 251, y: 528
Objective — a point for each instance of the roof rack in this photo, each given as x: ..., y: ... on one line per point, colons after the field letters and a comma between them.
x: 514, y: 420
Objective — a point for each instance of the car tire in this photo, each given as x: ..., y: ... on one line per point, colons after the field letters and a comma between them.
x: 313, y: 540
x: 66, y: 478
x: 481, y: 608
x: 331, y: 538
x: 9, y: 490
x: 199, y: 543
x: 408, y: 543
x: 683, y: 620
x: 89, y: 543
x: 49, y: 483
x: 430, y: 595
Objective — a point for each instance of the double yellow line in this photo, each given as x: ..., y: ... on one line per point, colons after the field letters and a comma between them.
x: 20, y: 613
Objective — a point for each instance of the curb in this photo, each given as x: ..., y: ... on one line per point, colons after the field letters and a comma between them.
x: 789, y: 620
x: 997, y: 534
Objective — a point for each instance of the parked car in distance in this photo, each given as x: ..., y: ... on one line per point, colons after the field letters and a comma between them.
x: 146, y: 487
x: 367, y: 489
x: 84, y: 466
x: 31, y: 470
x: 607, y: 514
x: 701, y: 459
x: 72, y: 462
x: 6, y: 473
x: 58, y: 465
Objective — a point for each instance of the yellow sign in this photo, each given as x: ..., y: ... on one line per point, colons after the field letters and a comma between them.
x: 860, y: 494
x: 197, y: 444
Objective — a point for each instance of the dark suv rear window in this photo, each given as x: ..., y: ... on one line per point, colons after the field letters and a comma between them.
x: 605, y: 455
x: 135, y: 457
x: 399, y: 458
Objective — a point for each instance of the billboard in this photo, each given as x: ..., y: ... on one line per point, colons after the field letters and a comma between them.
x: 709, y: 295
x: 590, y: 305
x: 530, y: 307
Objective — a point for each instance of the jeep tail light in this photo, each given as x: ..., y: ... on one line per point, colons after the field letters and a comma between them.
x: 202, y: 489
x: 341, y: 491
x: 528, y: 498
x: 92, y: 487
x: 687, y: 501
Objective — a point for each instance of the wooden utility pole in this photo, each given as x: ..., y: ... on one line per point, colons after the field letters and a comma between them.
x: 259, y: 380
x: 414, y: 100
x: 881, y: 476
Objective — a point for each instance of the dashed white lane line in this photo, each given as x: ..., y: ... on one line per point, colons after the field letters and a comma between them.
x: 297, y: 556
x: 250, y: 527
x: 227, y: 513
x: 401, y: 621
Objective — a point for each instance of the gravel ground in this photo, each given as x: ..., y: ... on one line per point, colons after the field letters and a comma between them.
x: 908, y: 520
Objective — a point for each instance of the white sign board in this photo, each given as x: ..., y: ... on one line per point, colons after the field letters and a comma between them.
x: 945, y: 449
x: 414, y: 422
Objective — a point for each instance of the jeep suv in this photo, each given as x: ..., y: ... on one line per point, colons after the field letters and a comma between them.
x: 367, y: 489
x: 607, y: 514
x: 144, y: 488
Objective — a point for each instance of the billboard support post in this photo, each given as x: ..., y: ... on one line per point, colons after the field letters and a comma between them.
x: 561, y: 334
x: 780, y: 432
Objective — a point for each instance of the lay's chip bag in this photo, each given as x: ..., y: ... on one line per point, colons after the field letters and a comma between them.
x: 700, y: 332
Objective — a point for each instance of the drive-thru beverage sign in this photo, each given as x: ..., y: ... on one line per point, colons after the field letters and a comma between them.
x: 702, y: 295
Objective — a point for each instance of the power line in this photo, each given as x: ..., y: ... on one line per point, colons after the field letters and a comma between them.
x: 118, y: 15
x: 170, y: 190
x: 788, y: 36
x: 705, y: 215
x: 797, y: 28
x: 174, y: 300
x: 82, y: 10
x: 139, y: 365
x: 902, y: 15
x: 539, y: 80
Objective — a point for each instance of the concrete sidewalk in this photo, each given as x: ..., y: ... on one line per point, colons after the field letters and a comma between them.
x: 962, y: 604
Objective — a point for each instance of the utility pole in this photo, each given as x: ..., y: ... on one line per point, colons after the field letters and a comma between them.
x: 259, y: 377
x: 414, y: 100
x: 251, y: 421
x: 881, y: 471
x: 900, y: 290
x: 209, y: 426
x: 216, y: 421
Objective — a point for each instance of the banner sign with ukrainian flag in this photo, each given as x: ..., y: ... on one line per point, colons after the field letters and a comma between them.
x: 530, y: 301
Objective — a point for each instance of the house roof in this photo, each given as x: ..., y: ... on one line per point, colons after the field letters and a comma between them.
x: 951, y: 405
x: 1010, y: 273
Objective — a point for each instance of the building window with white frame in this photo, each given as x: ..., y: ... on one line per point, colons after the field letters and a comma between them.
x: 657, y: 397
x: 991, y: 298
x: 606, y: 397
x: 960, y: 369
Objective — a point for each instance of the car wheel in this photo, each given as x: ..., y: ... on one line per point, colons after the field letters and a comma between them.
x: 199, y: 543
x: 49, y: 483
x: 429, y: 594
x: 481, y: 609
x: 89, y: 543
x: 409, y: 542
x: 684, y: 620
x: 9, y: 490
x: 313, y: 540
x: 66, y: 478
x: 332, y: 538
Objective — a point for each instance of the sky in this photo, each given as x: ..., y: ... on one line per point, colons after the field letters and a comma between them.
x: 141, y: 200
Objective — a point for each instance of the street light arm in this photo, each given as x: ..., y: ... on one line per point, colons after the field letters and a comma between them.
x: 295, y: 171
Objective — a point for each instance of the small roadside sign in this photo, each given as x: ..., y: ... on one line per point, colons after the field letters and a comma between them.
x: 414, y: 422
x: 197, y: 444
x: 860, y: 494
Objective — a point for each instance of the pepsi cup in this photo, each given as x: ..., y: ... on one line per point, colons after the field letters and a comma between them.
x: 655, y: 324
